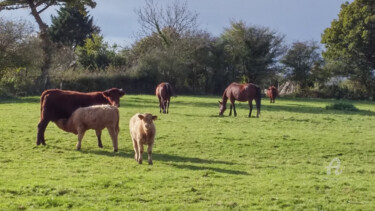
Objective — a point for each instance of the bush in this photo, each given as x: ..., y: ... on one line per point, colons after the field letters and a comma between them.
x: 342, y: 106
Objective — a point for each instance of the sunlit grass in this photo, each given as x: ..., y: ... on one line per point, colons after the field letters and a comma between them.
x: 201, y: 161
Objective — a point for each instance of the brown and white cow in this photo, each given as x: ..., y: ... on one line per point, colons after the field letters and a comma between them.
x: 60, y: 104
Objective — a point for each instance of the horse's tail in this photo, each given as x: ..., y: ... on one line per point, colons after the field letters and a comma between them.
x: 170, y: 90
x: 258, y: 97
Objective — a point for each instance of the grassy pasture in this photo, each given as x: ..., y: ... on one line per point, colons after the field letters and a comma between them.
x: 201, y: 161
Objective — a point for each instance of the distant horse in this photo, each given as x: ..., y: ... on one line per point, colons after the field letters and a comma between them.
x: 272, y: 93
x: 241, y: 92
x: 164, y: 91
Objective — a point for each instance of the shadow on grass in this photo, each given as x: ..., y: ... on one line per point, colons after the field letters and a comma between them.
x: 11, y: 100
x: 195, y: 168
x: 178, y: 161
x: 296, y: 108
x: 157, y: 156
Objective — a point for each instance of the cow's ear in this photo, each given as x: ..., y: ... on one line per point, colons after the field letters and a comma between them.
x: 154, y: 117
x: 140, y: 116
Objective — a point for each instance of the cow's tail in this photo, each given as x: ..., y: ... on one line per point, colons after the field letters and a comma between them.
x: 258, y: 98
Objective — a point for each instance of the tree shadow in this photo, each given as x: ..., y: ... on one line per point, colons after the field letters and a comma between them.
x: 297, y: 108
x: 15, y: 100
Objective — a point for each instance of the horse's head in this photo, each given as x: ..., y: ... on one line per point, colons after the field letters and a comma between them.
x: 222, y: 107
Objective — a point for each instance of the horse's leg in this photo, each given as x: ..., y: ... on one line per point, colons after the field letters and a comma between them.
x: 251, y: 107
x: 234, y: 109
x: 165, y: 106
x: 169, y: 100
x: 230, y: 110
x: 41, y: 129
x: 98, y: 135
x: 160, y: 105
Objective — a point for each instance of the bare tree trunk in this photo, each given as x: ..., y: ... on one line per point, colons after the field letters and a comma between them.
x: 46, y: 46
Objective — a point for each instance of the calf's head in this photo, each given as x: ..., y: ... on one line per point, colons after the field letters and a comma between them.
x: 147, y: 120
x: 114, y: 95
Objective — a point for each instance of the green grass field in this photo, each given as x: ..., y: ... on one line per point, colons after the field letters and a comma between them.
x: 201, y: 161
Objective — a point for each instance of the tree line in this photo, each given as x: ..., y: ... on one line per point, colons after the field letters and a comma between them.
x: 71, y: 53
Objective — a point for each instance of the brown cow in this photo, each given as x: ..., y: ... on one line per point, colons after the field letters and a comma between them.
x: 272, y: 93
x: 60, y: 104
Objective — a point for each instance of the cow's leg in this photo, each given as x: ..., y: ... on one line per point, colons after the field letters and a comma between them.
x: 41, y: 129
x: 140, y: 152
x: 81, y: 133
x: 149, y: 153
x: 112, y: 132
x: 98, y: 135
x: 251, y: 107
x: 135, y: 147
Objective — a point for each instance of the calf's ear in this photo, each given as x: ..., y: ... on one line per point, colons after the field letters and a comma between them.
x: 140, y: 116
x: 154, y: 117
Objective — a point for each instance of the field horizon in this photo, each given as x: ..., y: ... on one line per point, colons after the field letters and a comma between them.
x: 297, y: 155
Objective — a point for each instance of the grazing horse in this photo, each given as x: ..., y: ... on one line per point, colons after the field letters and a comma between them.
x: 272, y: 93
x: 164, y: 91
x: 241, y: 92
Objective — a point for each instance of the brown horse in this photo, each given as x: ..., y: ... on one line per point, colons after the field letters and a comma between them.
x: 241, y: 92
x: 272, y: 93
x: 164, y: 91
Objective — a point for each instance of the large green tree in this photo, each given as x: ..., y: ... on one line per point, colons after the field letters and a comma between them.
x: 251, y: 52
x: 37, y: 7
x: 300, y: 61
x: 351, y: 39
x: 71, y: 27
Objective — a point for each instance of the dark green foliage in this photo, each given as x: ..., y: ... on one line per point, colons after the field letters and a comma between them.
x: 251, y: 52
x: 95, y: 54
x: 71, y: 27
x: 342, y: 106
x: 351, y: 40
x: 300, y: 61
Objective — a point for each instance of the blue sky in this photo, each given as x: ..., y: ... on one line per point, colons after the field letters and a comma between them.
x: 298, y: 20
